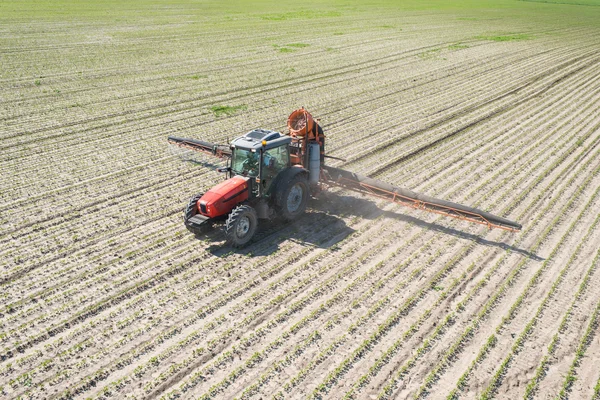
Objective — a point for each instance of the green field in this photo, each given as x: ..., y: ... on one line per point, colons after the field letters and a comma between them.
x: 492, y: 104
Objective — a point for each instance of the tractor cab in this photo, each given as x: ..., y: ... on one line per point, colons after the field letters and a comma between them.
x: 261, y: 155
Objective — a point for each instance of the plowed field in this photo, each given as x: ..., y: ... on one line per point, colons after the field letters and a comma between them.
x: 105, y: 294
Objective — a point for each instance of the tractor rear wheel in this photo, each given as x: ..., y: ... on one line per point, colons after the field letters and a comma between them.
x: 293, y: 200
x: 241, y: 225
x: 189, y: 212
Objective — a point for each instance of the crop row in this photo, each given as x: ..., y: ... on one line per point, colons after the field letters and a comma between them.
x: 458, y: 344
x: 546, y: 135
x: 513, y: 310
x: 200, y: 313
x: 329, y: 284
x: 518, y: 344
x: 506, y: 319
x: 542, y: 369
x: 243, y: 87
x: 500, y: 101
x: 172, y: 116
x: 580, y: 352
x: 278, y: 267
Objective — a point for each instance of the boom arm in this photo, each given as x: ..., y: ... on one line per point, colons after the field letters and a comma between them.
x: 373, y: 187
x: 217, y: 150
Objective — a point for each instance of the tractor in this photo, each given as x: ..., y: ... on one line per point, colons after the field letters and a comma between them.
x: 272, y: 175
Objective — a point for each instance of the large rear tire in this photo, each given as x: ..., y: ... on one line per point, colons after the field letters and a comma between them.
x: 292, y: 202
x: 190, y: 210
x: 241, y: 225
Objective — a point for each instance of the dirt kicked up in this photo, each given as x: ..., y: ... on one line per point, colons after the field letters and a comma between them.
x: 104, y: 293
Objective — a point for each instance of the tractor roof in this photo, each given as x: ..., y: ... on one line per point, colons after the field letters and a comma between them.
x: 254, y: 139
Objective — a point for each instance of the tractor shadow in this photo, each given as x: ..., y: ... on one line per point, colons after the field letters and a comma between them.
x: 315, y: 228
x: 196, y: 159
x: 204, y: 164
x: 323, y: 226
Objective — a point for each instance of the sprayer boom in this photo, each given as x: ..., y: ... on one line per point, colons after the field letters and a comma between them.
x: 217, y: 150
x: 405, y: 197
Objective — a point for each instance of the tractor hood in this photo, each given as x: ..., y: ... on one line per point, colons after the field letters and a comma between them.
x: 222, y: 198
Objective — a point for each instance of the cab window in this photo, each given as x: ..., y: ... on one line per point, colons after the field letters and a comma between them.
x: 277, y: 158
x: 274, y: 161
x: 244, y: 162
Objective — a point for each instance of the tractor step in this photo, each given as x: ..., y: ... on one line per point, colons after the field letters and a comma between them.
x: 198, y: 220
x: 199, y: 224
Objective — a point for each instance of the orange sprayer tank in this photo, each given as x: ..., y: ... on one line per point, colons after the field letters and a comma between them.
x: 300, y: 122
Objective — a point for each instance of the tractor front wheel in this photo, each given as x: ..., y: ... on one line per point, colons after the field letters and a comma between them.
x: 241, y: 225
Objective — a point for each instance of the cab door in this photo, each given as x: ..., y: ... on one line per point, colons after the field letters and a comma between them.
x: 274, y: 161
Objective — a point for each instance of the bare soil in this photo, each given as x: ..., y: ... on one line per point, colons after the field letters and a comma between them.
x: 105, y: 294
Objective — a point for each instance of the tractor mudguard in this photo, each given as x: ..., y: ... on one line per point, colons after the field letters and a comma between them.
x: 282, y: 181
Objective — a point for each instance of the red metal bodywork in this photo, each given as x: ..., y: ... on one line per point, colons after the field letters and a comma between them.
x: 222, y: 198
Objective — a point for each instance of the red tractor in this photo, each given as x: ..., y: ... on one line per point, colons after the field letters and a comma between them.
x: 270, y: 174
